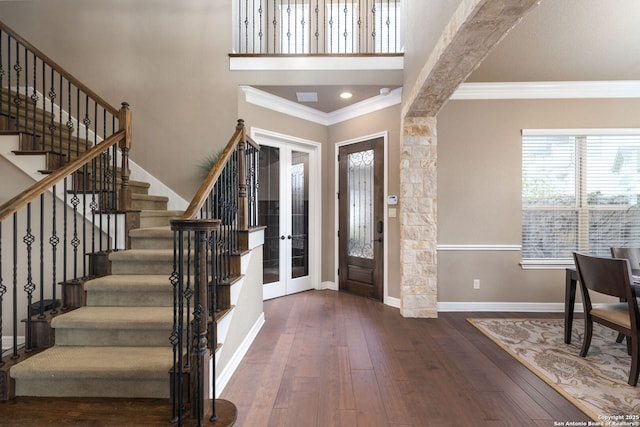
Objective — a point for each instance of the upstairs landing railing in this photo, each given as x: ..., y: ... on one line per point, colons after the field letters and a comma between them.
x: 317, y: 27
x: 207, y: 244
x: 47, y: 230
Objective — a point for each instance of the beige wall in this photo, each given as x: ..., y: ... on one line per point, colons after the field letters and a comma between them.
x: 479, y: 199
x: 167, y: 59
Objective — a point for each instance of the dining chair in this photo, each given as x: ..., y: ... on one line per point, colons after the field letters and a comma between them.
x: 610, y: 276
x: 633, y: 255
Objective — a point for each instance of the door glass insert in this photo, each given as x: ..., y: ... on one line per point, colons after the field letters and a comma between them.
x: 299, y: 214
x: 269, y: 211
x: 360, y: 180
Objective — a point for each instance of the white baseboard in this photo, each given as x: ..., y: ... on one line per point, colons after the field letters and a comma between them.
x: 225, y: 375
x: 333, y: 286
x: 392, y: 302
x: 551, y: 307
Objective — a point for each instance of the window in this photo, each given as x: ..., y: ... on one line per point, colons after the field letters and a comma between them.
x: 580, y: 192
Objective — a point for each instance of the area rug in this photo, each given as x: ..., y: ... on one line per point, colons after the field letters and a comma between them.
x: 597, y: 384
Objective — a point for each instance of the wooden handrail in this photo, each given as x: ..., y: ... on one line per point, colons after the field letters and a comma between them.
x: 22, y: 199
x: 239, y: 136
x: 77, y: 83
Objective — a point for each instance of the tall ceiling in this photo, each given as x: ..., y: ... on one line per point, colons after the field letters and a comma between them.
x: 559, y: 40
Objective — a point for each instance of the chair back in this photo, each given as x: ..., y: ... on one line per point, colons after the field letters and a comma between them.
x: 632, y: 254
x: 609, y: 276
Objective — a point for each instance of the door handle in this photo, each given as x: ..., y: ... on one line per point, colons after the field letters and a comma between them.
x: 281, y: 237
x: 379, y: 240
x: 289, y: 237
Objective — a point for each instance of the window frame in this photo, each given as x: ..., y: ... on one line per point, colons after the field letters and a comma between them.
x: 581, y: 204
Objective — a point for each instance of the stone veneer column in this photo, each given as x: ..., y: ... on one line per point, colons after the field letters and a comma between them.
x: 418, y: 218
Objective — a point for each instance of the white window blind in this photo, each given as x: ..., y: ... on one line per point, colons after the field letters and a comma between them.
x: 580, y: 192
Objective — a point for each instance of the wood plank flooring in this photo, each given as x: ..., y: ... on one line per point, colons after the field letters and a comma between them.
x: 332, y: 359
x: 325, y: 358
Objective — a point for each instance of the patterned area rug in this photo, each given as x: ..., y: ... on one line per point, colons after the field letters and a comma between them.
x: 596, y: 384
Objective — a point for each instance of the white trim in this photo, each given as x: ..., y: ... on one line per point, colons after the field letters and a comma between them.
x: 546, y: 264
x: 532, y: 307
x: 549, y: 90
x: 263, y: 136
x: 479, y: 247
x: 580, y: 132
x: 316, y: 63
x: 223, y: 377
x: 385, y: 252
x: 275, y: 103
x: 392, y: 302
x: 332, y: 286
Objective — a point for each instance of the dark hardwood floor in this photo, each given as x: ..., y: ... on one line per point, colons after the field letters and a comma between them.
x: 325, y: 358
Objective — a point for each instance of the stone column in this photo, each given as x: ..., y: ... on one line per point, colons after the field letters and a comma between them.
x: 418, y: 218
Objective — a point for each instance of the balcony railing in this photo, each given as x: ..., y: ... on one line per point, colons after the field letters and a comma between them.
x: 317, y: 27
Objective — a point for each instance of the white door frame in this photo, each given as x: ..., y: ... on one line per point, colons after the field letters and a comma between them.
x: 266, y: 137
x: 385, y: 244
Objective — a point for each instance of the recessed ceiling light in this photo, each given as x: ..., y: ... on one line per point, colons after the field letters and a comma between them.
x: 307, y: 96
x: 346, y: 95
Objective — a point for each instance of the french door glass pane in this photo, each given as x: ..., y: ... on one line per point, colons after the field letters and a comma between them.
x: 299, y: 214
x: 360, y: 188
x: 269, y: 211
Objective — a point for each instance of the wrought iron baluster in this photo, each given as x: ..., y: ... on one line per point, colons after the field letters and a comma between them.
x: 3, y: 288
x: 29, y: 286
x: 34, y: 99
x: 54, y: 240
x: 317, y: 33
x: 65, y: 243
x: 17, y: 67
x: 1, y: 77
x: 260, y: 33
x: 15, y: 286
x: 41, y: 305
x: 176, y: 338
x: 275, y: 27
x: 330, y: 44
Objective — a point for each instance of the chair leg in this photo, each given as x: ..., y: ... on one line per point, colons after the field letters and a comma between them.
x: 635, y: 355
x: 620, y: 337
x: 588, y: 331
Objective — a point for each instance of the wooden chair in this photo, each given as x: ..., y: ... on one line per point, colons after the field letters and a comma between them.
x: 633, y: 255
x: 610, y: 276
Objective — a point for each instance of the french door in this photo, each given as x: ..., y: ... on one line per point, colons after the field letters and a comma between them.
x: 286, y: 207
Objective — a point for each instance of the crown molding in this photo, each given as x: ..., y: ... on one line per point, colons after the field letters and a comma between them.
x: 266, y: 100
x: 548, y: 90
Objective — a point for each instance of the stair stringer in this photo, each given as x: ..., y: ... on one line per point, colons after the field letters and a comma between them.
x: 237, y: 330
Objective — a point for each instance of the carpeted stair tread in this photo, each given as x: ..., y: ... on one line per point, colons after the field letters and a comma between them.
x: 133, y: 318
x: 114, y: 362
x: 152, y: 238
x: 130, y: 290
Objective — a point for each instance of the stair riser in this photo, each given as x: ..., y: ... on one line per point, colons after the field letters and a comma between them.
x: 137, y: 204
x: 127, y: 299
x: 113, y: 337
x: 151, y: 243
x: 155, y: 267
x: 95, y: 387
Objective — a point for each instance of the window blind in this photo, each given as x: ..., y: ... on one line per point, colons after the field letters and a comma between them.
x: 580, y: 192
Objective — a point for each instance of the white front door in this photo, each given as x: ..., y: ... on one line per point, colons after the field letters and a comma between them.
x: 287, y: 206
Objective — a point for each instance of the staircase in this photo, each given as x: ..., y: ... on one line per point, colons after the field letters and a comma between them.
x: 118, y: 344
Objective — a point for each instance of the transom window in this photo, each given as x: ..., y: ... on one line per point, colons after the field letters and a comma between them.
x: 580, y: 192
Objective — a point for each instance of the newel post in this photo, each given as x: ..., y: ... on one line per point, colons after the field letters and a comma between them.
x: 243, y: 201
x: 124, y: 120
